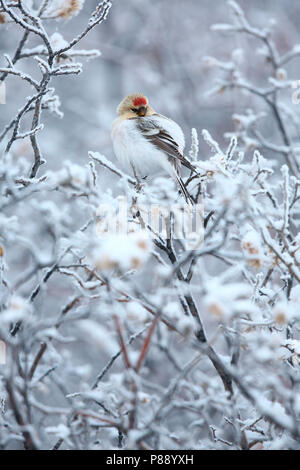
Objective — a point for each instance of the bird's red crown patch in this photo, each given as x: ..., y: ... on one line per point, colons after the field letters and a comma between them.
x: 140, y: 101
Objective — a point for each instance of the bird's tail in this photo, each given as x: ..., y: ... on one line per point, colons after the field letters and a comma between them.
x: 184, y: 191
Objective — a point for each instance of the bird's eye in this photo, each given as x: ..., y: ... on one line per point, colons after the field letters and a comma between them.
x: 135, y: 110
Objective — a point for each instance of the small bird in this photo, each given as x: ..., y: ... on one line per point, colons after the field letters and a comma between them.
x: 148, y: 142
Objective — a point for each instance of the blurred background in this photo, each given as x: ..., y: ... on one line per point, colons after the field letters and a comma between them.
x: 157, y: 48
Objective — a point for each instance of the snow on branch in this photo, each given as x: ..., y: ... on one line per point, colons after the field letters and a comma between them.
x: 115, y: 330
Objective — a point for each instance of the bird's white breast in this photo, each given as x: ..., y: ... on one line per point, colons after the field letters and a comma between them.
x: 132, y: 148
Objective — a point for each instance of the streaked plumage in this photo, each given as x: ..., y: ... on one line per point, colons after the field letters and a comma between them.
x: 147, y: 141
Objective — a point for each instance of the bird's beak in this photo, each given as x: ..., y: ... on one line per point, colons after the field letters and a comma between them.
x: 142, y: 111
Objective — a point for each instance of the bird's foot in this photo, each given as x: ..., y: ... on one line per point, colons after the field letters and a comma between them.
x: 138, y: 186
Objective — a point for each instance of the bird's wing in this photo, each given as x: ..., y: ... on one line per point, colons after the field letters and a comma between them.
x: 159, y: 137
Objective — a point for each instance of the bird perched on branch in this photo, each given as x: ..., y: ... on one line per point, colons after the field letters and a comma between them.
x: 149, y: 142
